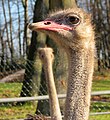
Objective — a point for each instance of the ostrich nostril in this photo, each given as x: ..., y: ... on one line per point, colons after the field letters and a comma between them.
x: 30, y: 25
x: 47, y: 23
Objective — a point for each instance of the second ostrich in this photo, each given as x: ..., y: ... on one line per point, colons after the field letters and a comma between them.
x: 72, y: 30
x: 47, y: 57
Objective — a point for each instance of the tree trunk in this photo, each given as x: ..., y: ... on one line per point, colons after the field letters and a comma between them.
x: 6, y: 26
x: 69, y: 3
x: 19, y: 28
x: 25, y: 38
x: 2, y: 54
x: 31, y: 81
x: 10, y: 27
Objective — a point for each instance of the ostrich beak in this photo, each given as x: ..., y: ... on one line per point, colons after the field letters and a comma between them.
x: 48, y: 26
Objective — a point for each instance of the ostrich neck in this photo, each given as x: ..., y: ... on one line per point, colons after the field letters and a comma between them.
x: 54, y: 103
x: 81, y: 64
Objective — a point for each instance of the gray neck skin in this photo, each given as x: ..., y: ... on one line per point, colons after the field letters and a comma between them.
x: 79, y: 84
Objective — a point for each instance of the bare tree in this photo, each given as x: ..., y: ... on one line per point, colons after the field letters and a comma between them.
x: 6, y: 26
x: 25, y: 38
x: 10, y: 31
x: 2, y: 52
x: 19, y: 28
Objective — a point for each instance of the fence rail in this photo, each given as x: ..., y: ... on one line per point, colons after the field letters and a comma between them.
x: 45, y: 97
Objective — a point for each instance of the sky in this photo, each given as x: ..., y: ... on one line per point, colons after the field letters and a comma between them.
x: 14, y: 13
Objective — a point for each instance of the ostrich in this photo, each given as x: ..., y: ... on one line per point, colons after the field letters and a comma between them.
x: 72, y: 30
x: 47, y: 57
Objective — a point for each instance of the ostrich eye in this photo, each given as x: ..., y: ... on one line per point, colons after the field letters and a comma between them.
x: 74, y: 20
x: 42, y: 56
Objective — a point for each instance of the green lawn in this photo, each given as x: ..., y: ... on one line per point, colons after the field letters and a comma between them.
x: 13, y: 89
x: 101, y: 85
x: 9, y: 112
x: 100, y: 117
x: 12, y: 111
x: 10, y: 90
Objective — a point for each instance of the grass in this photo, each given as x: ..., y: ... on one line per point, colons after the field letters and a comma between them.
x: 100, y: 107
x: 101, y: 85
x: 10, y: 90
x: 12, y: 111
x: 100, y: 117
x: 101, y: 81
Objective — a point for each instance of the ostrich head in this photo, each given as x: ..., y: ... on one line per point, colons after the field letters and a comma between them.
x: 69, y: 28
